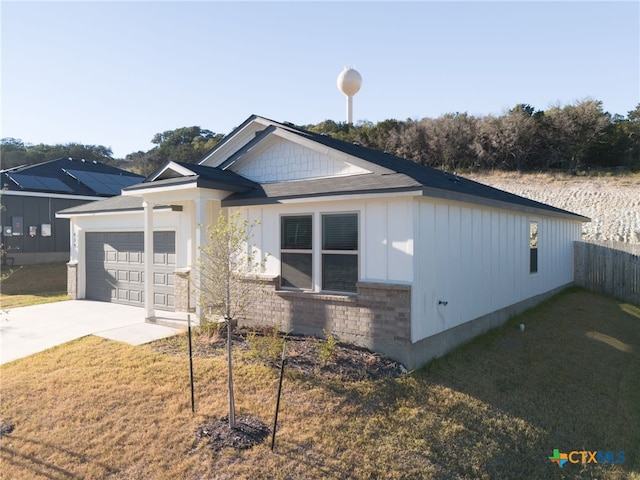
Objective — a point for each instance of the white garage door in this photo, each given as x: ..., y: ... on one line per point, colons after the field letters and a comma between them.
x: 115, y: 268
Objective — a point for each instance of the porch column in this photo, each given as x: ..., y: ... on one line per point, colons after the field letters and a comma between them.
x: 148, y: 260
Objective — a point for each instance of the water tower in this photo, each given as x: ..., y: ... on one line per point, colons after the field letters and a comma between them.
x: 349, y: 83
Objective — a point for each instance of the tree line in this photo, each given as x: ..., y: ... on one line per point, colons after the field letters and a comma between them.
x: 186, y: 144
x: 579, y: 136
x: 570, y: 138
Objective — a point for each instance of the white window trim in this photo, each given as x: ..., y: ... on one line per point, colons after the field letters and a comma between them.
x: 339, y: 252
x: 317, y: 251
x: 291, y: 250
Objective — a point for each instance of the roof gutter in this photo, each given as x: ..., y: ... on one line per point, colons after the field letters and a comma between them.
x: 94, y: 213
x: 487, y: 202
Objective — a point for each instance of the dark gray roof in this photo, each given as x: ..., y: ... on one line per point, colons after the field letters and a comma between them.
x: 322, y: 187
x: 114, y: 204
x: 203, y: 177
x: 69, y: 176
x: 409, y: 176
x: 119, y: 204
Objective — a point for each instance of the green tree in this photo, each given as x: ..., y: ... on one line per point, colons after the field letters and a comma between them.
x: 14, y: 152
x: 226, y: 265
x: 384, y: 136
x: 571, y: 131
x: 186, y: 144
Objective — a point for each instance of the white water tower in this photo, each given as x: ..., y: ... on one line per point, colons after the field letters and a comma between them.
x: 349, y: 83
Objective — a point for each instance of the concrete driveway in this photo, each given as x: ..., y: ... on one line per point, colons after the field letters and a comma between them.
x: 28, y: 330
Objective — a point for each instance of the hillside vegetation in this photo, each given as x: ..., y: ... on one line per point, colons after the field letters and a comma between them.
x: 563, y: 138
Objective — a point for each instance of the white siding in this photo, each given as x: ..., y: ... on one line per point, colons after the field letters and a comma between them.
x: 283, y: 160
x: 477, y: 261
x: 386, y: 235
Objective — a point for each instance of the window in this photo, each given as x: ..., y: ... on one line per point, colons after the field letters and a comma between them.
x: 296, y: 248
x: 533, y: 247
x: 340, y: 252
x: 338, y: 255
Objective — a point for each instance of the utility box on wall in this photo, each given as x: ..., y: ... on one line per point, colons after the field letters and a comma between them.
x: 17, y: 225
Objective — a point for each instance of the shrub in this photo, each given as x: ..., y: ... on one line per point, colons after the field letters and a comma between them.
x: 266, y: 344
x: 327, y: 347
x: 213, y: 330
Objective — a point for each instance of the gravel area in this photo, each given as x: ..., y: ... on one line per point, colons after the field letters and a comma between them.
x: 611, y: 202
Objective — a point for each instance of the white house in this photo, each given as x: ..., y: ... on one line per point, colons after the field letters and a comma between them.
x: 401, y: 258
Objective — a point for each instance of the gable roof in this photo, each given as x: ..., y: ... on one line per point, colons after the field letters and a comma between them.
x: 408, y: 176
x: 390, y: 175
x: 68, y: 176
x: 181, y: 173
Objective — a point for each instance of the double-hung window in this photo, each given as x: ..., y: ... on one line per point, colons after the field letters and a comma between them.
x: 296, y: 249
x: 340, y: 252
x: 334, y: 267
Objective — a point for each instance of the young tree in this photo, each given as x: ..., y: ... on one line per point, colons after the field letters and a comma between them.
x: 226, y: 266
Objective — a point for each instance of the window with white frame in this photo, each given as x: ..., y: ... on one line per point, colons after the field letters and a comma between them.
x: 533, y: 247
x: 296, y: 250
x: 340, y: 252
x: 338, y: 255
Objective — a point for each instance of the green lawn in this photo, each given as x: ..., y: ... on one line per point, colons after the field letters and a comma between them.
x: 494, y: 409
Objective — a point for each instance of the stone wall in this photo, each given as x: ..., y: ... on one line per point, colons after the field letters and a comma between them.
x: 377, y: 317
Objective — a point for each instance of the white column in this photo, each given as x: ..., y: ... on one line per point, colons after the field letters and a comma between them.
x: 148, y: 259
x: 349, y: 109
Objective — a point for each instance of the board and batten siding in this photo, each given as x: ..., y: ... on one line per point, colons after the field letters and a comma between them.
x: 385, y: 235
x: 472, y: 261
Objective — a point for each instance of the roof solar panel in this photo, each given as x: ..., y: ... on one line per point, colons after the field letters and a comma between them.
x: 46, y: 184
x: 104, y: 183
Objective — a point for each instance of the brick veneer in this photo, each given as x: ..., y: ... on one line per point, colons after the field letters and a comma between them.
x: 379, y: 314
x: 182, y: 290
x: 72, y: 280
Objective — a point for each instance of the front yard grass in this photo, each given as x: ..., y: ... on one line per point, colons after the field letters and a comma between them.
x: 495, y: 408
x: 33, y: 284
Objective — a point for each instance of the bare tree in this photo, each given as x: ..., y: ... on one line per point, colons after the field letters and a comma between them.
x: 226, y: 265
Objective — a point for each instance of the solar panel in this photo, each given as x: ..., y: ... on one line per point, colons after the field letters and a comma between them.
x: 46, y: 184
x: 104, y: 183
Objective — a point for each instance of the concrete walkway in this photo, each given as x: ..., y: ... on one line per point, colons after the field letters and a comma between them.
x: 28, y: 330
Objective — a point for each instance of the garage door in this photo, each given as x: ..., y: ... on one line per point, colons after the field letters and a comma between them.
x: 115, y: 268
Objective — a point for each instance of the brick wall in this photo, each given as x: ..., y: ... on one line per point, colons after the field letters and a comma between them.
x: 72, y: 280
x: 182, y: 290
x: 379, y: 314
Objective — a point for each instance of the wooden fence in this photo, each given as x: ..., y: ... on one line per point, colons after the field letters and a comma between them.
x: 611, y: 267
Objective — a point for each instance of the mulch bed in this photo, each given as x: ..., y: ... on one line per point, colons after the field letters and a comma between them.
x: 246, y: 433
x: 347, y: 363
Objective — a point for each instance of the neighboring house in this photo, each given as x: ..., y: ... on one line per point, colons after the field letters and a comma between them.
x: 401, y: 258
x: 32, y: 194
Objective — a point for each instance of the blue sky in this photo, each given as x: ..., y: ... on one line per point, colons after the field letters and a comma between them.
x: 116, y: 73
